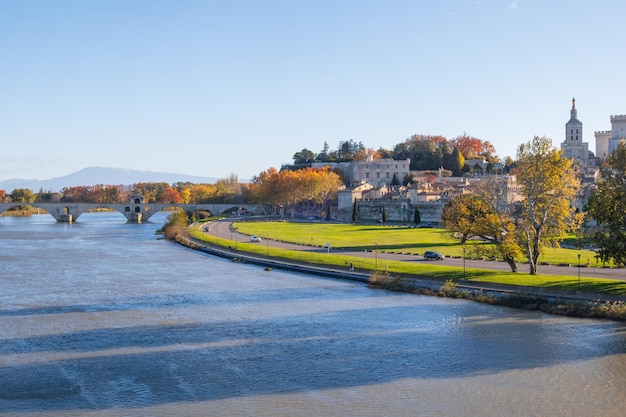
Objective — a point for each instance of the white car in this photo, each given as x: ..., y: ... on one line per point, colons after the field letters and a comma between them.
x: 255, y: 239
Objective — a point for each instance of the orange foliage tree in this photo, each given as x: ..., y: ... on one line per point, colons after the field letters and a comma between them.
x: 287, y: 188
x: 472, y: 147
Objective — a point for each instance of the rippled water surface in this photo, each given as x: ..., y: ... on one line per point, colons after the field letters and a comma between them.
x: 102, y: 318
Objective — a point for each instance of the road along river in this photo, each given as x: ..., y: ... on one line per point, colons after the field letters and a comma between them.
x: 101, y: 318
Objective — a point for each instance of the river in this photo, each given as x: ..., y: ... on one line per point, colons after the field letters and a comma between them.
x: 103, y: 318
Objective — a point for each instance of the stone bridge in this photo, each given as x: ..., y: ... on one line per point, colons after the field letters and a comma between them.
x: 134, y: 211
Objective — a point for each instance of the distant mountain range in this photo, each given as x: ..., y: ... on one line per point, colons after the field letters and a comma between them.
x: 102, y: 175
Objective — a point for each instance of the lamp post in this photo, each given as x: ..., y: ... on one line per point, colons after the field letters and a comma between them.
x: 376, y: 254
x: 579, y: 272
x: 464, y: 263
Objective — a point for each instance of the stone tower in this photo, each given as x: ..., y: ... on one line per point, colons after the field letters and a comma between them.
x: 573, y: 147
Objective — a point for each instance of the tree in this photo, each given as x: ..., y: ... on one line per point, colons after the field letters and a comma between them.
x: 22, y: 195
x: 417, y: 217
x: 549, y: 182
x: 288, y: 188
x: 607, y: 206
x: 169, y: 195
x: 384, y: 215
x: 355, y: 211
x: 305, y: 156
x: 473, y: 147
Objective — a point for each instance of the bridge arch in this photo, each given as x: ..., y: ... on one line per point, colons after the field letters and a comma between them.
x: 67, y: 212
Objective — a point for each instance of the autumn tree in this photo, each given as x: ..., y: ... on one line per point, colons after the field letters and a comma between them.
x: 364, y: 154
x: 549, y: 184
x: 466, y: 215
x: 228, y: 189
x: 290, y: 187
x: 607, y: 206
x: 472, y: 147
x: 169, y: 195
x: 150, y: 190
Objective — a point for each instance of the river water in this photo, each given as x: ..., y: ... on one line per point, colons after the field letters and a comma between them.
x: 102, y: 318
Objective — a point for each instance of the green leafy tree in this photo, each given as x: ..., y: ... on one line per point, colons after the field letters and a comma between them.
x: 355, y: 211
x: 607, y: 206
x: 417, y: 217
x: 22, y: 195
x: 305, y: 156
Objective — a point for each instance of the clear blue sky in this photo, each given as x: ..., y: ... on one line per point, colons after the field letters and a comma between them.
x: 217, y: 87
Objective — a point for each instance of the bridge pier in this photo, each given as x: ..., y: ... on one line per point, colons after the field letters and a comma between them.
x: 134, y: 217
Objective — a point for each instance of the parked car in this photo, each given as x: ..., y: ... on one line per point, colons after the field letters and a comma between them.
x: 431, y: 254
x: 255, y: 239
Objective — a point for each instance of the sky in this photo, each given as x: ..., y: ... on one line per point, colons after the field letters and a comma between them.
x: 214, y: 88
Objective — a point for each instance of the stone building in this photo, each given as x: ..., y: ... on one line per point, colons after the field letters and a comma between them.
x: 607, y: 140
x: 379, y: 172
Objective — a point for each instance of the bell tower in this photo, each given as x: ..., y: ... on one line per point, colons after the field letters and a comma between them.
x: 573, y: 146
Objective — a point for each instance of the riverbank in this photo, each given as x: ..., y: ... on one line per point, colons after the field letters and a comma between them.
x: 566, y: 303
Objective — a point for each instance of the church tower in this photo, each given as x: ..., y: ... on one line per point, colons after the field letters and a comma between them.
x: 573, y: 147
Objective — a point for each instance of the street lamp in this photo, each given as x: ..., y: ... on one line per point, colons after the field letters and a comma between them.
x: 579, y: 272
x: 463, y: 263
x: 376, y: 254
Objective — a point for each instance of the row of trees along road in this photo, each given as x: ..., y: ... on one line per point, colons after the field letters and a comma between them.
x: 548, y: 184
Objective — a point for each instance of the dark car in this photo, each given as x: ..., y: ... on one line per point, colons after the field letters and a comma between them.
x: 431, y: 254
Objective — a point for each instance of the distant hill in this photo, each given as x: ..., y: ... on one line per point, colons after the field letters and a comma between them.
x: 102, y: 175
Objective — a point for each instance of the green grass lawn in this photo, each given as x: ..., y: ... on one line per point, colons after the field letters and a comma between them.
x: 388, y: 238
x: 396, y: 239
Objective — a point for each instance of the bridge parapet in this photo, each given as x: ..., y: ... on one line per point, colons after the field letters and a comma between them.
x: 134, y: 212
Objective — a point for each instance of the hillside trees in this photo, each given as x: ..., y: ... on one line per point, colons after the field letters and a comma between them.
x: 607, y: 205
